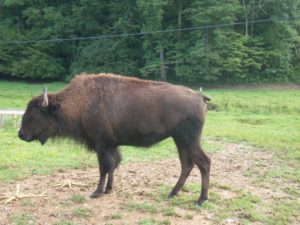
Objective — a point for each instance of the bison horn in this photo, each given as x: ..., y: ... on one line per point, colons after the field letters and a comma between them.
x: 45, y: 97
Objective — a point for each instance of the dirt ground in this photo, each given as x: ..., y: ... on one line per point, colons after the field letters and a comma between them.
x: 133, y: 183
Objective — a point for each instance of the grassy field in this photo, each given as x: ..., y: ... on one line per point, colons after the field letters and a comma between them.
x: 266, y: 118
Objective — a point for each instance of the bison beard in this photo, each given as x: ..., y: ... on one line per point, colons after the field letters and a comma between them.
x: 105, y: 111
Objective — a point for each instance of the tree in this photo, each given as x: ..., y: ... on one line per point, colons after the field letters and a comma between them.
x: 116, y: 55
x: 248, y: 52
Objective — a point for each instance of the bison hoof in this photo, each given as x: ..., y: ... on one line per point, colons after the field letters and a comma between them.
x: 200, y: 201
x: 171, y: 195
x: 96, y: 194
x: 108, y: 191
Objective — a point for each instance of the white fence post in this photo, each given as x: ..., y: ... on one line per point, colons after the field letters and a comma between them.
x: 10, y: 112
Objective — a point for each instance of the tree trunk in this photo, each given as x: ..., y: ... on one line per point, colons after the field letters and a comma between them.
x: 179, y: 22
x: 163, y: 76
x: 179, y: 16
x: 246, y: 17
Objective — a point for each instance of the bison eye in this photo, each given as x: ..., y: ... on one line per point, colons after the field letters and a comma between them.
x: 35, y: 114
x: 54, y: 107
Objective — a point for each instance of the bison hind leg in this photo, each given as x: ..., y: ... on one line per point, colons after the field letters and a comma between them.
x: 187, y: 165
x: 187, y: 138
x: 203, y: 162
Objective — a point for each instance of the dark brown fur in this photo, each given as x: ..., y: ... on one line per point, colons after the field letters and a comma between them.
x: 105, y: 111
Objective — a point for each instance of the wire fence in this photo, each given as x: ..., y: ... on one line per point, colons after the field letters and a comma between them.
x: 268, y: 20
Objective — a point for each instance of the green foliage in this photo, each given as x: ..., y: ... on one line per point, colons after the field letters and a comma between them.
x: 246, y: 53
x: 106, y: 56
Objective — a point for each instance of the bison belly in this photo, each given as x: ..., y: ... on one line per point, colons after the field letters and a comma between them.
x: 143, y: 123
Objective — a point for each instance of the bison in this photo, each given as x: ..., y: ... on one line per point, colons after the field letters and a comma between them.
x: 105, y: 111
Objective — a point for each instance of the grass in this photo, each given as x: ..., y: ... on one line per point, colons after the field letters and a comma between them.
x: 142, y: 207
x: 169, y: 211
x: 65, y: 222
x: 267, y: 118
x: 78, y: 199
x: 283, y: 213
x: 153, y: 222
x: 243, y: 206
x: 116, y: 216
x: 189, y: 216
x: 82, y: 212
x: 15, y: 95
x: 21, y: 219
x: 19, y: 160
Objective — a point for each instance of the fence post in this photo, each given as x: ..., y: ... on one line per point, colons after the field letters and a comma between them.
x: 1, y: 121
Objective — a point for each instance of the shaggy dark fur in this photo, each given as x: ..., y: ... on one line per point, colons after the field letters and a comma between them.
x: 105, y: 111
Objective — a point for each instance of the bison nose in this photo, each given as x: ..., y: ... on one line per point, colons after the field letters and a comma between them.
x: 21, y: 135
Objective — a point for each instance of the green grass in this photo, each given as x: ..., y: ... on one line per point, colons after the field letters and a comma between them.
x: 115, y: 216
x: 142, y: 207
x: 153, y: 222
x: 82, y: 212
x: 20, y: 159
x: 169, y: 211
x: 78, y: 199
x: 15, y: 95
x: 65, y: 222
x: 267, y: 118
x: 243, y: 206
x: 22, y: 219
x: 283, y: 213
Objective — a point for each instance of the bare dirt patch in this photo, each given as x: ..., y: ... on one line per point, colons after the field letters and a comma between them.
x: 236, y: 167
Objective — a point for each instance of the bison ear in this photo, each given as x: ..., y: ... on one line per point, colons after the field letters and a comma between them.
x: 53, y: 107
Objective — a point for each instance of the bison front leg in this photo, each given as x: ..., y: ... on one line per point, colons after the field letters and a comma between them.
x: 108, y: 162
x: 103, y: 173
x: 115, y: 159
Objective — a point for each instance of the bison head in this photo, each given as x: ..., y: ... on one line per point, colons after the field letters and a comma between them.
x: 39, y: 120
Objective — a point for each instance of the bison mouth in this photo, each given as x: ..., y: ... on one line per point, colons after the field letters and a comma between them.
x: 25, y: 137
x: 29, y: 139
x: 41, y: 138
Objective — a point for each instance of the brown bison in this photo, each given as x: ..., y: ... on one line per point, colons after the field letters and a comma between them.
x: 105, y: 111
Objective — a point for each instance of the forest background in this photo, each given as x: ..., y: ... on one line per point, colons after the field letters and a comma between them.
x: 237, y: 41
